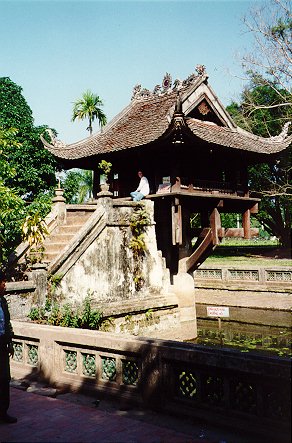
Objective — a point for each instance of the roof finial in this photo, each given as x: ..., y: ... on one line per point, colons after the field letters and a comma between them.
x: 201, y: 69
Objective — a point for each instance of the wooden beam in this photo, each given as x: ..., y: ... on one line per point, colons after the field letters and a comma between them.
x: 177, y: 185
x: 215, y: 223
x: 194, y: 259
x: 254, y: 209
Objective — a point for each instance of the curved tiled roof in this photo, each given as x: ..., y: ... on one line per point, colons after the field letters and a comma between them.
x: 142, y: 122
x: 236, y: 138
x: 149, y: 117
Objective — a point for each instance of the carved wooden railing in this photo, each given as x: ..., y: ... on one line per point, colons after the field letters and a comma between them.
x: 210, y: 186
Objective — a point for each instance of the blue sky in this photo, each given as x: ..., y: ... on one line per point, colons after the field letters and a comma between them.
x: 55, y: 50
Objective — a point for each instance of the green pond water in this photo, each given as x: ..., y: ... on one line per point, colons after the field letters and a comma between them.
x: 247, y: 337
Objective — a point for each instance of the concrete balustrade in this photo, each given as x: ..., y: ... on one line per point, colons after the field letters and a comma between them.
x: 256, y: 278
x: 213, y: 384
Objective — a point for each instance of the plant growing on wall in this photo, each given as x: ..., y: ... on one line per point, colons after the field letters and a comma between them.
x: 34, y: 230
x: 54, y: 281
x: 84, y: 317
x: 139, y: 222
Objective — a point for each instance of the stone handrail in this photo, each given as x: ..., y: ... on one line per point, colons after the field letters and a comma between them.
x: 82, y: 240
x: 244, y: 276
x: 206, y: 383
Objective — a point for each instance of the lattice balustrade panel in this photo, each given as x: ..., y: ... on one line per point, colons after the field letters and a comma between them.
x: 109, y: 368
x: 209, y: 273
x: 213, y: 390
x: 130, y: 372
x: 279, y: 276
x: 88, y: 365
x: 187, y: 384
x: 277, y: 403
x: 70, y: 361
x: 18, y: 351
x: 243, y: 396
x: 32, y: 354
x: 236, y: 274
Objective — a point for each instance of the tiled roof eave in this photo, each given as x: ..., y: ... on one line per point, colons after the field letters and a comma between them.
x: 234, y: 139
x: 75, y: 152
x: 126, y: 132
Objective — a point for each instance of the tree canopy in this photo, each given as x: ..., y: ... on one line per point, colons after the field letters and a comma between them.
x: 266, y: 106
x: 269, y: 181
x: 33, y: 164
x: 12, y: 207
x: 77, y: 185
x: 27, y: 169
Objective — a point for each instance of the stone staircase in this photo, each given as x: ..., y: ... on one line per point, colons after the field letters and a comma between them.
x: 56, y: 242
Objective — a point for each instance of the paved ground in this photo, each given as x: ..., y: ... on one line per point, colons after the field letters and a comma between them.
x: 45, y: 419
x: 74, y: 418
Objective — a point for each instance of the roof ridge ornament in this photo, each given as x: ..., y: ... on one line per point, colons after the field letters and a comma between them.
x: 283, y: 134
x: 56, y: 143
x: 167, y: 86
x: 167, y: 82
x: 201, y: 69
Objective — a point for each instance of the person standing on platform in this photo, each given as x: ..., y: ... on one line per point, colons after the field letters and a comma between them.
x: 142, y: 190
x: 6, y: 350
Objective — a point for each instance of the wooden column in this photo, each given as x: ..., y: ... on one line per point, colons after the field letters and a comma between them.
x: 215, y: 224
x: 181, y: 230
x: 246, y: 224
x: 176, y: 223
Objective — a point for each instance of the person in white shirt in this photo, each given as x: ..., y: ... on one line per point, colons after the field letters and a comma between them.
x: 142, y: 190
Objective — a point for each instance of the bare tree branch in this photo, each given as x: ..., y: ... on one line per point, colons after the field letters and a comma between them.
x: 271, y: 56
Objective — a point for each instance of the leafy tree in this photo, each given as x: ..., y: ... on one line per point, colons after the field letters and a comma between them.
x: 34, y: 165
x: 89, y: 107
x: 270, y: 182
x: 11, y: 216
x: 77, y: 185
x: 263, y: 120
x: 12, y: 208
x: 27, y: 169
x: 266, y: 105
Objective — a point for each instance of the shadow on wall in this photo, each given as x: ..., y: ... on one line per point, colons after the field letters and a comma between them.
x: 179, y: 378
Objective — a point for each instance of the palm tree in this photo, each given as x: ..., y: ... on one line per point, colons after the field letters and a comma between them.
x: 89, y: 107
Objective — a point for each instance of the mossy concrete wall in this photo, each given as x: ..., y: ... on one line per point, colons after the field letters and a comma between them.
x: 106, y: 268
x: 135, y: 291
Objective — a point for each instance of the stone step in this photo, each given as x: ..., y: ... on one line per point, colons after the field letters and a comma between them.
x: 54, y: 247
x: 68, y: 229
x: 81, y: 213
x: 59, y: 238
x: 56, y: 242
x: 78, y: 216
x: 50, y: 256
x: 76, y: 221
